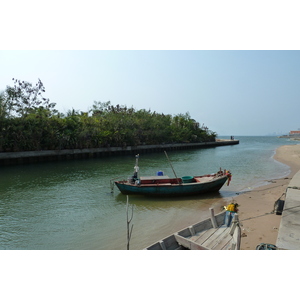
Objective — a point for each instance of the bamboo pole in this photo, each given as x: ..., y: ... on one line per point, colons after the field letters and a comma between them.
x: 129, y: 219
x: 172, y: 167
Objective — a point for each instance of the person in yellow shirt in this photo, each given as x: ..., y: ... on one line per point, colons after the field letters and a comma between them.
x: 231, y: 210
x: 232, y: 207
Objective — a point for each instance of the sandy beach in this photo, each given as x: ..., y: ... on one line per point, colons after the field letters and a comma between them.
x: 258, y: 222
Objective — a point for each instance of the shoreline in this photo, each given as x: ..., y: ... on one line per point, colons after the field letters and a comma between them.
x: 258, y: 222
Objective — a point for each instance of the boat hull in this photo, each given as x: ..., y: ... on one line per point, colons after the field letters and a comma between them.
x: 170, y: 190
x: 213, y: 233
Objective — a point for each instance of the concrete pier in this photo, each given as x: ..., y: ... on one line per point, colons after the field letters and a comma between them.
x: 10, y: 158
x: 289, y: 229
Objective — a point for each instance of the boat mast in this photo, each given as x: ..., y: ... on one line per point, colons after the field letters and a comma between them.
x: 136, y: 167
x: 172, y: 167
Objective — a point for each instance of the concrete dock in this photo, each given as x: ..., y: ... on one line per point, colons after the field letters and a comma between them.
x: 289, y: 229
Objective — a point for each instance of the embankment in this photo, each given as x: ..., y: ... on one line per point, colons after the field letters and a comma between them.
x: 12, y: 158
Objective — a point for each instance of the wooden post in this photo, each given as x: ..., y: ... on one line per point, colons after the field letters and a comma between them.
x: 162, y: 245
x: 234, y: 224
x: 192, y: 230
x: 129, y: 230
x: 212, y: 218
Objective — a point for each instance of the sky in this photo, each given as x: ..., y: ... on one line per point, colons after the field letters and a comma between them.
x: 231, y: 92
x: 234, y: 75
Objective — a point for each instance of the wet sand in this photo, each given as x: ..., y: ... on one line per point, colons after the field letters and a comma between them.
x: 259, y: 223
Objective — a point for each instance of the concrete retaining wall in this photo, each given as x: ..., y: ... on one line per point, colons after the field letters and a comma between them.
x: 9, y: 158
x: 289, y: 229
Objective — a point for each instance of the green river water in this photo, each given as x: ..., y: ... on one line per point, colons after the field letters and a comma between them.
x: 70, y: 204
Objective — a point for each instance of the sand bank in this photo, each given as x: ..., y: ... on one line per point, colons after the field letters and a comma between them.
x: 258, y: 222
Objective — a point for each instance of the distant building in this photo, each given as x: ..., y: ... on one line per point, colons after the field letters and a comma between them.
x: 295, y: 132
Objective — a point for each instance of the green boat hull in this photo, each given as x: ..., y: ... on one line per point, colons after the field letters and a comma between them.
x: 182, y: 189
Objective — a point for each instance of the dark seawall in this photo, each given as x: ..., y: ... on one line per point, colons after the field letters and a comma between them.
x: 13, y: 158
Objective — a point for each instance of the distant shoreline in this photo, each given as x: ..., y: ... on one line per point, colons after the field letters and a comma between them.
x: 292, y: 137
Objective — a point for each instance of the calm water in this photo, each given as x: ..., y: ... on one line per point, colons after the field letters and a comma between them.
x: 69, y: 205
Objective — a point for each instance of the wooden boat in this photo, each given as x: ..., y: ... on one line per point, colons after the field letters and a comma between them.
x: 213, y: 233
x: 164, y: 186
x: 158, y: 186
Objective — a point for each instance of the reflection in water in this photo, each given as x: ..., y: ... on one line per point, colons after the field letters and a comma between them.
x: 153, y: 203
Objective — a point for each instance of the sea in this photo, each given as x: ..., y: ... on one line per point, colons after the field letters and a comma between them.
x: 72, y: 205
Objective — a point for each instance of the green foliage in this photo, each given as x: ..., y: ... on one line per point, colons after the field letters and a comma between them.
x: 29, y: 122
x: 24, y: 98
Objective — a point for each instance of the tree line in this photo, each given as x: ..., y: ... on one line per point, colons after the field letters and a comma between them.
x: 29, y: 122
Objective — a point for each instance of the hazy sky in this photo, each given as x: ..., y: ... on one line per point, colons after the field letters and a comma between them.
x: 242, y: 92
x: 231, y: 92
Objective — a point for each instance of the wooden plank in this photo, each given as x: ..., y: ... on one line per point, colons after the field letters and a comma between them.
x: 187, y: 243
x: 224, y: 240
x: 202, y: 226
x: 220, y: 218
x: 221, y: 244
x: 206, y: 235
x: 197, y: 235
x: 155, y: 246
x: 216, y: 237
x: 170, y: 242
